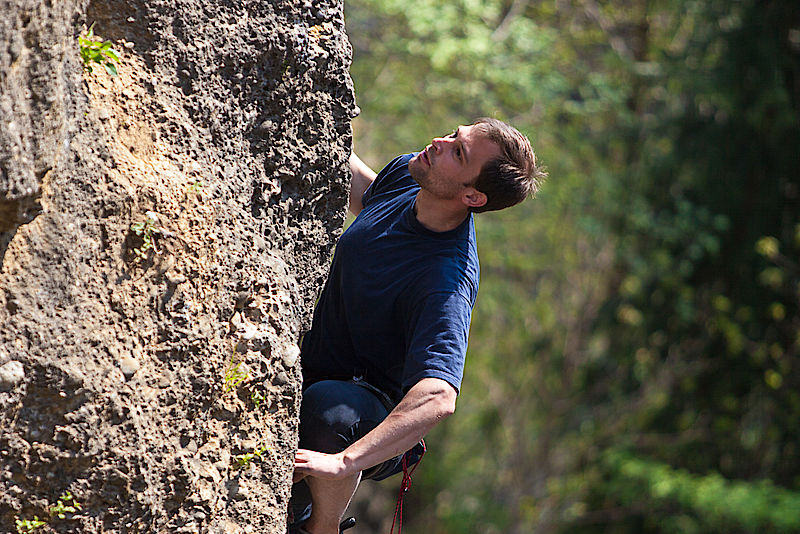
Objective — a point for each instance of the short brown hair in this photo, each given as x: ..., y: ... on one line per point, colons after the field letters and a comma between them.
x: 511, y: 177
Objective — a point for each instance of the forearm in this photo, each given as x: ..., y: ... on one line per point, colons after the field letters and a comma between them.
x: 424, y: 406
x: 363, y: 176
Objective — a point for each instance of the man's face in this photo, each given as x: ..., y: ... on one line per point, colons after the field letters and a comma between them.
x: 450, y: 164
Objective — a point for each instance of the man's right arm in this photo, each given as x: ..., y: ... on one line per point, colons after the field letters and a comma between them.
x: 363, y: 176
x: 423, y: 407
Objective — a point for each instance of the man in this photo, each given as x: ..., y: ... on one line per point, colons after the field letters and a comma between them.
x: 384, y: 358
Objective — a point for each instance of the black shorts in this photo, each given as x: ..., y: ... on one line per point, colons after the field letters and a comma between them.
x: 335, y: 414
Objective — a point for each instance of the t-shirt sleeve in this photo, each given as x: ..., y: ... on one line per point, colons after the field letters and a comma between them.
x: 436, y: 338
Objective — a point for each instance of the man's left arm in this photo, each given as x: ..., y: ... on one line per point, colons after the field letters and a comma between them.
x: 363, y: 176
x: 425, y: 405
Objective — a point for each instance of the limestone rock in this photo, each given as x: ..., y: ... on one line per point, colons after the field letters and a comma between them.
x: 11, y: 374
x: 139, y: 214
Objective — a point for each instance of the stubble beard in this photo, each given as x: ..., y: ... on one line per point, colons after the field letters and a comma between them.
x: 417, y: 173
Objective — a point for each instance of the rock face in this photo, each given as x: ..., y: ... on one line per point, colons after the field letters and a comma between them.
x: 163, y: 235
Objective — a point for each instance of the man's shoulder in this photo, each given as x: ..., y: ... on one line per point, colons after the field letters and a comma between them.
x: 399, y: 163
x: 453, y: 271
x: 393, y: 178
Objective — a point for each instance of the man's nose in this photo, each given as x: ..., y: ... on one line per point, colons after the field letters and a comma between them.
x: 440, y: 142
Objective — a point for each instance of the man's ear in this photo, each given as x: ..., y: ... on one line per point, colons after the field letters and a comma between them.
x: 473, y: 198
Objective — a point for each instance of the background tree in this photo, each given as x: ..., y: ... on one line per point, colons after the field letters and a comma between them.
x: 633, y: 357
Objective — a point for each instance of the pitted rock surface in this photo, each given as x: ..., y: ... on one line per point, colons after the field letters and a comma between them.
x: 163, y: 235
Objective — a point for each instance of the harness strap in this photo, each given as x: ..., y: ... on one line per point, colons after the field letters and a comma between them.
x: 405, y: 485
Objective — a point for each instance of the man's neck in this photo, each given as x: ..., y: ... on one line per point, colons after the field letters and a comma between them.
x: 437, y: 215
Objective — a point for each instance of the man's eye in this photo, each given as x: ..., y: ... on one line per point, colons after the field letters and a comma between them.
x: 458, y: 153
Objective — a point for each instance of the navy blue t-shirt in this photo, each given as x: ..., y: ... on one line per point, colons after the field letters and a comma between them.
x: 397, y: 304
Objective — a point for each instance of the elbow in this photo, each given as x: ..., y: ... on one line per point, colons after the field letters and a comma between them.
x: 447, y: 411
x: 446, y: 404
x: 436, y: 397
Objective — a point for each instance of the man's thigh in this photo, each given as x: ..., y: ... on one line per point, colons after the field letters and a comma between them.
x: 335, y: 414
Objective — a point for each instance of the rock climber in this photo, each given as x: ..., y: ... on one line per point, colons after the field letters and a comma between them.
x: 383, y: 361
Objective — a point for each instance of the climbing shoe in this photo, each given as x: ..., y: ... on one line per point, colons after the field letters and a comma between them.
x: 350, y: 522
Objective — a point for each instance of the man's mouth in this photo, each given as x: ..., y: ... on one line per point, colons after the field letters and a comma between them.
x: 425, y: 157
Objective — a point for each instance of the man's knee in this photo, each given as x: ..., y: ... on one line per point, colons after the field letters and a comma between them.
x: 334, y: 414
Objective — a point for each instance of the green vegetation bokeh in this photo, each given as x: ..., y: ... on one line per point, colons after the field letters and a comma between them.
x: 633, y: 363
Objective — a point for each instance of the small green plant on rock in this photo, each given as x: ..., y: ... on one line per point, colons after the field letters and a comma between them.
x: 257, y: 397
x: 195, y: 187
x: 234, y: 376
x: 94, y: 51
x: 243, y: 460
x: 145, y: 229
x: 66, y: 505
x: 29, y: 525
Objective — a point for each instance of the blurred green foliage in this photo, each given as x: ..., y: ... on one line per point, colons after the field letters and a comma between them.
x: 647, y: 300
x: 708, y: 503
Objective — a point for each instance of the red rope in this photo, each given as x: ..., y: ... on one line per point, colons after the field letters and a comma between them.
x: 405, y: 485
